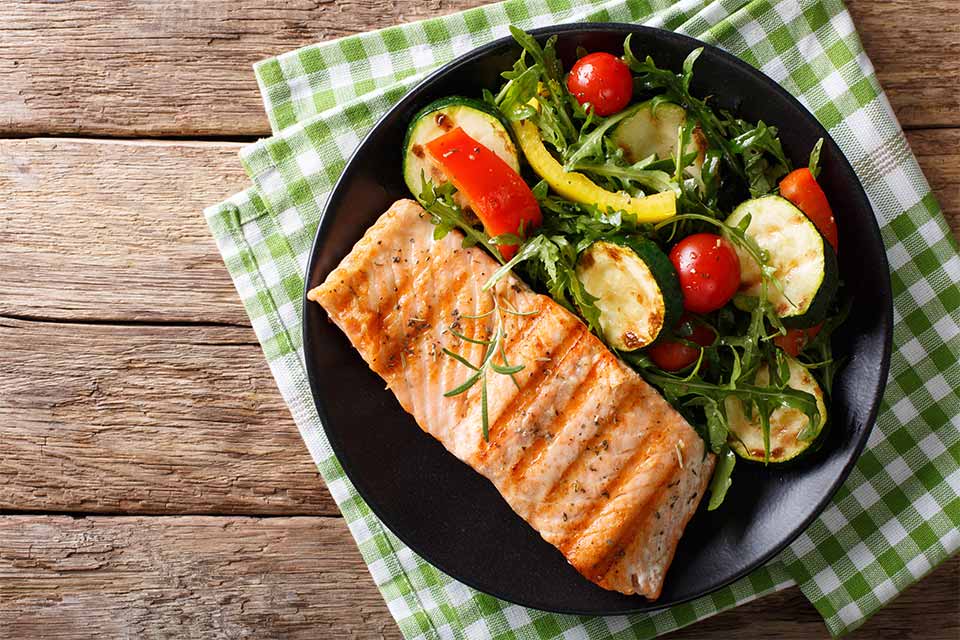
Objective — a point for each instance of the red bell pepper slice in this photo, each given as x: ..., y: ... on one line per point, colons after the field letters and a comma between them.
x: 801, y: 188
x: 496, y: 193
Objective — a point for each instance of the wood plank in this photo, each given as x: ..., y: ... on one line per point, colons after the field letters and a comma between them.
x: 189, y: 577
x: 167, y: 68
x: 125, y: 222
x: 138, y: 419
x: 204, y: 577
x: 147, y: 68
x: 915, y: 47
x: 95, y: 230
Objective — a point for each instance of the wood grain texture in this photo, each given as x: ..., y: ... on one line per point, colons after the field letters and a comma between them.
x: 915, y: 47
x: 100, y: 418
x: 187, y: 577
x: 96, y: 230
x: 929, y: 610
x: 166, y: 68
x: 229, y: 577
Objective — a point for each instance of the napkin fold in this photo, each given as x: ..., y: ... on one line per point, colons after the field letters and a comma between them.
x: 898, y: 514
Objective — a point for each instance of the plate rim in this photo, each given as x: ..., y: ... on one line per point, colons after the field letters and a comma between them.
x: 644, y: 606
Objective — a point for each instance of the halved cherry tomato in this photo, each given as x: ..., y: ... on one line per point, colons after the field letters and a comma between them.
x: 496, y: 193
x: 795, y: 340
x: 603, y: 80
x: 709, y: 271
x: 801, y: 188
x: 672, y: 355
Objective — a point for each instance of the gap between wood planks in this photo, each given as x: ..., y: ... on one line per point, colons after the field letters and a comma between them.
x: 127, y: 323
x: 82, y: 515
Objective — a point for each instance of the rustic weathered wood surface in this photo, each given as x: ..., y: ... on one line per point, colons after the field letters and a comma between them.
x: 147, y: 419
x: 131, y: 386
x: 183, y: 68
x: 97, y: 230
x: 191, y: 577
x: 203, y: 577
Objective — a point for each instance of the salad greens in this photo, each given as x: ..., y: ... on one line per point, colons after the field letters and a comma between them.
x: 741, y: 160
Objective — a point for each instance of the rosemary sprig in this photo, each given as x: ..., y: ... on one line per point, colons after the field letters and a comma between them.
x: 491, y: 347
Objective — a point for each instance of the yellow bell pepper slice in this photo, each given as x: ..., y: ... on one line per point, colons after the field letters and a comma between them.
x: 579, y: 188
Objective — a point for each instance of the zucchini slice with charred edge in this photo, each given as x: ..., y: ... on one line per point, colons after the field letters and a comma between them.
x: 653, y: 130
x: 479, y: 120
x: 637, y: 290
x: 786, y: 423
x: 803, y: 261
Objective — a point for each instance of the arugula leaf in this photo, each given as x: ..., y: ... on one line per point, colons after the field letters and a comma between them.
x: 447, y: 215
x: 716, y: 421
x: 551, y: 262
x: 818, y: 353
x: 513, y: 99
x: 556, y: 106
x: 720, y: 482
x: 752, y: 153
x: 591, y: 144
x: 628, y: 175
x: 814, y: 164
x: 764, y: 162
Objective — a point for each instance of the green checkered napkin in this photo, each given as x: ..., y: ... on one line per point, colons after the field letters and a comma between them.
x: 895, y: 518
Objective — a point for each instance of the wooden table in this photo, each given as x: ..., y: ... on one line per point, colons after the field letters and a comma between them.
x: 152, y: 483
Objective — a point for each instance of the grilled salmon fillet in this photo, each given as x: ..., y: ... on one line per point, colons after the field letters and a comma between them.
x: 579, y: 445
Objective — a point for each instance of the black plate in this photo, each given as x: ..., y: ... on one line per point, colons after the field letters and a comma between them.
x: 453, y: 517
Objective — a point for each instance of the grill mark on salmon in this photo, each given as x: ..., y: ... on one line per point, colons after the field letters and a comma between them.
x: 535, y: 426
x: 425, y: 332
x: 583, y: 518
x: 601, y: 422
x: 519, y: 468
x: 526, y: 396
x: 388, y: 360
x: 414, y: 324
x: 621, y: 530
x: 548, y: 471
x: 613, y: 489
x: 629, y: 528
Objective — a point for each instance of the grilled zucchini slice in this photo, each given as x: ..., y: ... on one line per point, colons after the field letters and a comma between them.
x: 653, y: 130
x: 480, y: 121
x: 786, y: 424
x: 804, y: 262
x: 637, y: 290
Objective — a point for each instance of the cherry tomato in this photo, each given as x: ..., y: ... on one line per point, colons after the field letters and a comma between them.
x: 673, y: 355
x: 603, y: 80
x: 802, y: 189
x: 794, y: 341
x: 709, y: 271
